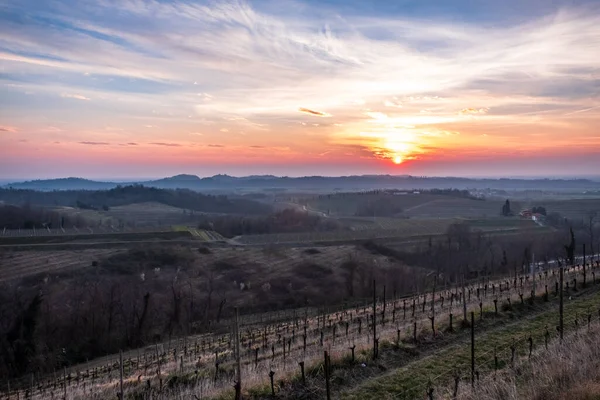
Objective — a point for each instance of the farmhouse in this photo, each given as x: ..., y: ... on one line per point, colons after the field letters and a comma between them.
x: 538, y: 217
x: 526, y: 213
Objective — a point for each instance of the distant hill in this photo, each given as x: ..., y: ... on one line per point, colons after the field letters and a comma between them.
x: 132, y: 194
x: 345, y: 183
x: 62, y: 184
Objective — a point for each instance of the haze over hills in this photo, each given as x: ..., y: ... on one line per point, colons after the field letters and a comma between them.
x: 357, y: 182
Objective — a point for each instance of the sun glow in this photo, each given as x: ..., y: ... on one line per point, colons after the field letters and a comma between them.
x: 397, y: 160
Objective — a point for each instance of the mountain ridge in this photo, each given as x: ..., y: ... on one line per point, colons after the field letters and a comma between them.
x: 361, y: 182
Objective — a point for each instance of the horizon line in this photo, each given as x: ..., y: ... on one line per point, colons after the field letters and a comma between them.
x: 7, y: 181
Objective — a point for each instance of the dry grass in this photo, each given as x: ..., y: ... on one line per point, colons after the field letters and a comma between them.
x: 565, y: 371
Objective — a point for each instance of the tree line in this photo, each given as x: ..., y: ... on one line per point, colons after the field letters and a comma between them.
x: 123, y: 195
x: 29, y: 217
x: 286, y: 221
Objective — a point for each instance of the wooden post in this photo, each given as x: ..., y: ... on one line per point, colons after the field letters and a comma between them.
x: 158, y: 367
x: 121, y: 393
x: 415, y: 331
x: 383, y: 314
x: 456, y: 382
x: 584, y: 274
x: 496, y: 307
x: 64, y: 383
x: 433, y: 295
x: 271, y: 375
x: 374, y: 320
x: 472, y: 349
x: 560, y: 307
x: 327, y: 388
x: 238, y: 383
x: 464, y: 300
x: 301, y: 363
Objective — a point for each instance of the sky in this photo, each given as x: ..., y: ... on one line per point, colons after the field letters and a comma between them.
x: 152, y: 88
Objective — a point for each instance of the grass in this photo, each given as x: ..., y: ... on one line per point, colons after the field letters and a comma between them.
x: 565, y: 370
x: 413, y: 380
x: 402, y: 372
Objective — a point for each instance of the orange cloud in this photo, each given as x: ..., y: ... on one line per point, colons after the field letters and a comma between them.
x: 166, y: 144
x: 95, y: 143
x: 468, y: 111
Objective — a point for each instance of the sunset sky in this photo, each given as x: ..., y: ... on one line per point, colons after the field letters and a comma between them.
x: 151, y: 88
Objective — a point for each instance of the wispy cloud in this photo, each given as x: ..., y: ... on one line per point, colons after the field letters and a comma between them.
x: 162, y: 64
x: 313, y: 112
x: 74, y: 96
x: 214, y: 145
x: 8, y: 129
x: 95, y: 143
x: 583, y: 110
x: 166, y: 144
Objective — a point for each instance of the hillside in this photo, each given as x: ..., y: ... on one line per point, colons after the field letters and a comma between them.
x: 124, y: 195
x: 322, y: 183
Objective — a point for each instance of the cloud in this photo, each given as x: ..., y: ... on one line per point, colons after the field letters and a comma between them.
x: 197, y: 133
x: 215, y: 145
x: 313, y: 112
x: 74, y: 96
x: 157, y: 60
x: 166, y: 144
x: 10, y: 129
x: 468, y: 111
x: 50, y: 129
x: 257, y: 147
x: 95, y: 143
x: 583, y: 110
x: 132, y: 144
x: 392, y: 103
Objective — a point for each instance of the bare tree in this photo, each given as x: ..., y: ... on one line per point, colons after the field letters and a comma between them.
x: 591, y: 216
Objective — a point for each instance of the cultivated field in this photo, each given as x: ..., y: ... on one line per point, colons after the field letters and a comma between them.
x: 135, y: 215
x: 442, y: 206
x: 419, y: 347
x: 347, y: 204
x: 448, y: 207
x: 573, y: 208
x: 19, y: 264
x: 389, y: 228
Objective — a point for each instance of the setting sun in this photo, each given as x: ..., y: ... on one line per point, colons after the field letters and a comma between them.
x: 397, y: 160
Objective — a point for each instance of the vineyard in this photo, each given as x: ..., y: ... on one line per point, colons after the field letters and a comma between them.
x: 15, y: 265
x: 150, y: 214
x: 387, y: 228
x: 385, y: 347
